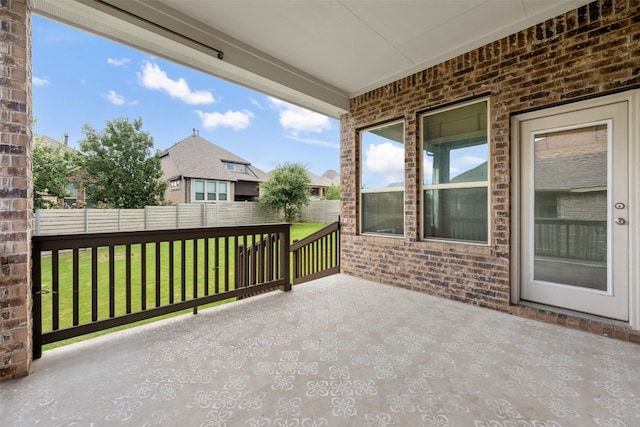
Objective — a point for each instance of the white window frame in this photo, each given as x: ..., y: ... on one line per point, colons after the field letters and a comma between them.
x: 448, y: 186
x: 382, y: 190
x: 217, y: 193
x: 235, y: 167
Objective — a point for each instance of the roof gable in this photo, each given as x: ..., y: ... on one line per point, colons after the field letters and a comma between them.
x: 195, y: 157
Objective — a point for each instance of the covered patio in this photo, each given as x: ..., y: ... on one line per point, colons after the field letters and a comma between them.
x: 336, y: 351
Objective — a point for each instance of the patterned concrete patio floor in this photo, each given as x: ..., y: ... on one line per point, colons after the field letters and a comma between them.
x: 335, y: 352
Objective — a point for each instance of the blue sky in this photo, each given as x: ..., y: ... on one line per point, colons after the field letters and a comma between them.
x: 82, y: 79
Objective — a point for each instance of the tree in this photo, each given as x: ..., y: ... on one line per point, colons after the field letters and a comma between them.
x: 121, y: 169
x: 332, y: 193
x: 53, y: 168
x: 286, y: 190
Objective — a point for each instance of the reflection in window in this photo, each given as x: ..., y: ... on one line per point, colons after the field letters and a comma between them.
x: 570, y: 205
x: 382, y: 180
x: 455, y: 173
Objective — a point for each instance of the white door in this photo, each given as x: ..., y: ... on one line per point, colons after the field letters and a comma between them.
x: 575, y: 209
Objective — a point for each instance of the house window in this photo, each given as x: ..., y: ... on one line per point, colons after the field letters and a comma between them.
x: 222, y: 191
x: 456, y: 173
x: 236, y: 167
x: 382, y: 180
x: 209, y: 191
x: 72, y: 194
x: 175, y: 184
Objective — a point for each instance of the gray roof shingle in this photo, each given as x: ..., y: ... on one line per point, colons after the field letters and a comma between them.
x: 195, y: 157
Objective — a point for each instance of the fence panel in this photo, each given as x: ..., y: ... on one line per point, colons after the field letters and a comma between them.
x: 71, y: 221
x: 190, y: 216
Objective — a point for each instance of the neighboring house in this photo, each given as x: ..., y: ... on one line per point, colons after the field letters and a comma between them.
x: 76, y: 193
x: 319, y: 185
x: 199, y: 171
x: 332, y: 176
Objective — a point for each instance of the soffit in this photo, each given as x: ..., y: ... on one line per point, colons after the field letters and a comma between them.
x: 316, y: 54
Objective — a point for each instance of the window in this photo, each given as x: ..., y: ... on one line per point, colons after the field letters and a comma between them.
x: 456, y: 173
x: 222, y: 191
x: 236, y: 167
x: 382, y: 180
x: 175, y: 184
x: 72, y: 194
x: 209, y: 191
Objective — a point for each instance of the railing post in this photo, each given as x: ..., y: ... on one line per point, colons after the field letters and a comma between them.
x: 285, y: 249
x: 36, y: 293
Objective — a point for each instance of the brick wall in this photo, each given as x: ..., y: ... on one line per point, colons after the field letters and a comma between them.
x: 15, y: 188
x: 585, y: 52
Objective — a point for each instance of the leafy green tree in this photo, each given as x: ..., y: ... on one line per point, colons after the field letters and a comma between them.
x: 287, y: 190
x: 53, y: 168
x: 122, y: 170
x: 332, y: 193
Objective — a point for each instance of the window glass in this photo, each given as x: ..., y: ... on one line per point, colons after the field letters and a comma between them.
x: 199, y: 190
x: 459, y: 213
x: 455, y: 173
x: 211, y: 190
x: 382, y: 180
x: 222, y: 190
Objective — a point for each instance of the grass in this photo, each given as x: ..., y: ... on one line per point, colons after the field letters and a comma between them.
x: 137, y: 295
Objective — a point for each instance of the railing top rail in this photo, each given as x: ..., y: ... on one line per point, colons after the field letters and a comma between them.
x: 334, y: 226
x: 84, y: 240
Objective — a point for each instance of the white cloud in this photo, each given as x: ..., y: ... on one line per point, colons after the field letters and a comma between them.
x: 37, y: 81
x: 152, y: 77
x: 313, y: 141
x: 256, y: 103
x: 296, y: 119
x: 115, y: 98
x: 385, y: 159
x: 471, y: 160
x: 118, y: 62
x: 237, y: 120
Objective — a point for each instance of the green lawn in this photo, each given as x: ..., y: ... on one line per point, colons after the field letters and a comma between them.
x: 138, y: 295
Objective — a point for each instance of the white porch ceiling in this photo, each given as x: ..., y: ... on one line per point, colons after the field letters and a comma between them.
x: 314, y: 53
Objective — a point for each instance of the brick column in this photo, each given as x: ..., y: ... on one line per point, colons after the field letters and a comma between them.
x: 16, y: 198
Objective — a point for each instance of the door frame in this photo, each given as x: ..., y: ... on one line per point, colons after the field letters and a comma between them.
x: 633, y: 99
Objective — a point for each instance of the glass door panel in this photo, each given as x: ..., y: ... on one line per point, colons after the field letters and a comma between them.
x: 570, y: 206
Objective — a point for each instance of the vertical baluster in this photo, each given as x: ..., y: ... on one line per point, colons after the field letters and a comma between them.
x: 143, y: 276
x: 76, y: 288
x: 183, y: 270
x: 226, y: 262
x: 217, y: 264
x: 55, y: 289
x: 112, y: 281
x: 128, y: 278
x: 94, y: 284
x: 171, y: 271
x: 206, y: 266
x: 158, y: 275
x: 195, y: 273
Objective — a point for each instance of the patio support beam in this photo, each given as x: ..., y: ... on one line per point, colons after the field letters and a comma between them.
x: 16, y: 198
x: 153, y: 27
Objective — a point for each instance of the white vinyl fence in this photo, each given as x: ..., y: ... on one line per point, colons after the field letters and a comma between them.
x: 69, y: 221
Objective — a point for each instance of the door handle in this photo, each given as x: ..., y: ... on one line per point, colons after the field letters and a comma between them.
x: 620, y: 221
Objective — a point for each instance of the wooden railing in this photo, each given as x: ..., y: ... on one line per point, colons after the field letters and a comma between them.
x: 84, y: 283
x: 317, y: 255
x: 256, y: 263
